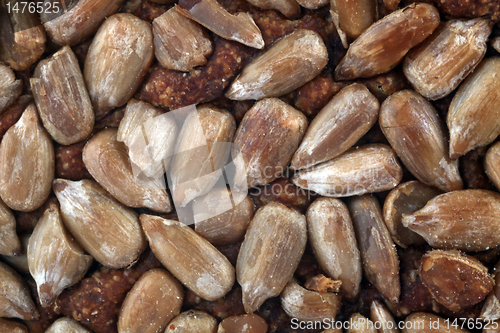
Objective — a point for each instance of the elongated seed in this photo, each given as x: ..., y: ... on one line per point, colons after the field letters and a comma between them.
x: 384, y: 44
x: 195, y: 262
x: 378, y: 252
x: 404, y: 118
x: 270, y: 253
x: 332, y: 238
x: 464, y: 220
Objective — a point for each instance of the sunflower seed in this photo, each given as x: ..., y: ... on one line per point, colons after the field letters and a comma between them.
x: 189, y: 257
x: 365, y: 169
x: 270, y: 253
x: 404, y: 116
x: 463, y: 220
x: 384, y: 44
x: 378, y: 252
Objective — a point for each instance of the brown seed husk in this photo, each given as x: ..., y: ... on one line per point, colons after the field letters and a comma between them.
x: 109, y: 231
x: 438, y: 65
x: 26, y: 163
x: 337, y: 127
x: 384, y: 44
x: 154, y: 300
x: 455, y: 280
x: 270, y: 253
x: 307, y: 305
x: 378, y: 252
x: 417, y: 134
x: 56, y: 261
x: 195, y: 262
x: 118, y: 58
x: 406, y: 198
x: 364, y: 169
x: 332, y: 238
x: 107, y: 161
x: 473, y: 113
x: 15, y: 298
x: 465, y: 220
x: 62, y: 98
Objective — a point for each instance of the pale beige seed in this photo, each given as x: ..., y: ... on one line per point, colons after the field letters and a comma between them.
x: 365, y: 169
x: 353, y: 17
x: 422, y: 322
x: 454, y: 279
x: 360, y: 324
x: 404, y: 117
x: 107, y: 161
x: 223, y: 216
x: 62, y: 98
x: 290, y: 63
x: 195, y: 262
x: 15, y: 298
x: 9, y: 241
x: 438, y: 65
x: 201, y: 151
x: 136, y: 114
x: 378, y: 252
x: 492, y: 164
x: 258, y: 159
x: 289, y: 8
x: 406, y: 198
x: 56, y: 261
x: 20, y: 261
x: 66, y: 325
x: 239, y: 27
x: 118, y: 58
x: 22, y: 42
x: 336, y: 21
x: 491, y: 308
x: 473, y: 114
x: 12, y: 326
x: 382, y: 316
x: 180, y: 43
x: 307, y: 305
x: 26, y: 163
x: 154, y: 300
x: 10, y: 88
x: 495, y: 42
x: 465, y: 220
x: 337, y: 127
x: 332, y: 238
x: 106, y: 229
x: 150, y: 135
x: 270, y: 253
x: 248, y: 323
x: 383, y: 45
x: 79, y: 22
x: 312, y: 4
x: 192, y: 321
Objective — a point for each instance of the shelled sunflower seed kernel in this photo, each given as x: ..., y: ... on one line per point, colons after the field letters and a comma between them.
x: 252, y: 145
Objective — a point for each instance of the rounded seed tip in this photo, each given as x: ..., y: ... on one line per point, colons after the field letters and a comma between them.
x: 251, y: 303
x: 343, y: 73
x: 58, y: 185
x: 455, y: 153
